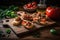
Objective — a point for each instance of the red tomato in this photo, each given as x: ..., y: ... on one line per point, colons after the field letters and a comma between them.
x: 33, y: 3
x: 53, y: 13
x: 24, y: 23
x: 29, y: 5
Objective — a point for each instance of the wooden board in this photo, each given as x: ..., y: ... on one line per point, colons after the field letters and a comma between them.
x: 20, y: 29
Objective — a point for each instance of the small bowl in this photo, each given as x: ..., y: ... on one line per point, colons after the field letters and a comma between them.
x: 29, y: 9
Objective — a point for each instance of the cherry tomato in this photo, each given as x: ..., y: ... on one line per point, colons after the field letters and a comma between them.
x: 29, y: 5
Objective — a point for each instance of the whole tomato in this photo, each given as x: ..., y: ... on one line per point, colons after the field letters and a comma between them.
x: 53, y: 12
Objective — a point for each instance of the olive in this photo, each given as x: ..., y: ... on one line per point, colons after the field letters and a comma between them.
x: 53, y: 31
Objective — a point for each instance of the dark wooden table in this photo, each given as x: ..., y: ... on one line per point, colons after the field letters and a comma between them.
x: 44, y: 34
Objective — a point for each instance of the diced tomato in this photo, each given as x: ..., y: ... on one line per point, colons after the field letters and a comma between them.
x: 24, y: 23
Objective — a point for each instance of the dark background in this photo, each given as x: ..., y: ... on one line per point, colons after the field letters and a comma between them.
x: 22, y: 2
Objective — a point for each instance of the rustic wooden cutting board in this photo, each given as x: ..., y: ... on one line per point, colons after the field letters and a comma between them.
x: 21, y: 30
